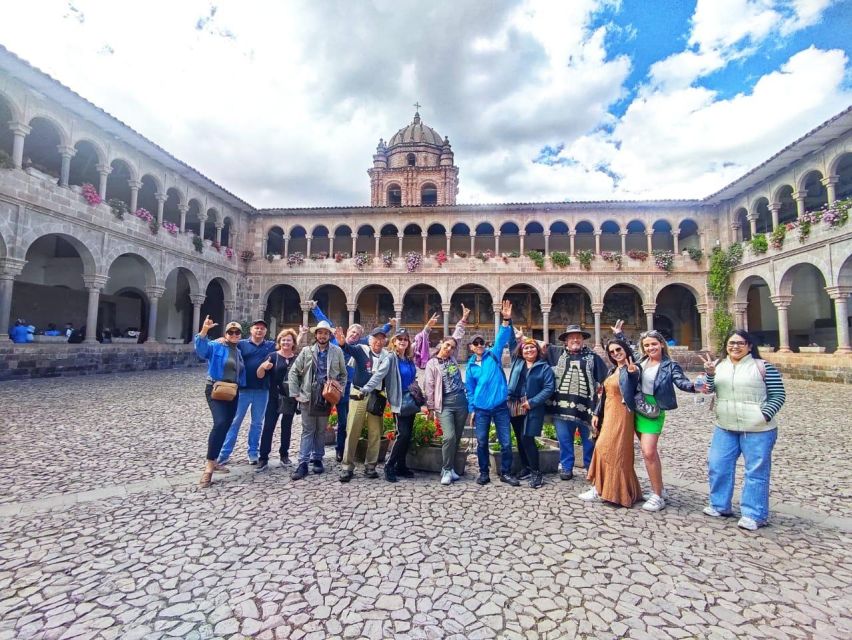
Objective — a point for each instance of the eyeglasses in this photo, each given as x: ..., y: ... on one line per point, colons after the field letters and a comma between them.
x: 403, y: 338
x: 615, y: 350
x: 234, y: 332
x: 737, y: 343
x: 478, y: 343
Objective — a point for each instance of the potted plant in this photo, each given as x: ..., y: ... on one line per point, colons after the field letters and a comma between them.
x: 759, y: 244
x: 664, y: 260
x: 295, y: 259
x: 362, y: 259
x: 118, y: 207
x: 641, y: 256
x: 247, y: 255
x: 413, y: 260
x: 560, y: 259
x: 695, y: 254
x: 616, y: 258
x: 441, y: 257
x: 198, y: 243
x: 537, y: 257
x: 548, y: 437
x: 90, y: 193
x: 548, y: 456
x: 387, y: 259
x: 425, y: 452
x: 585, y: 256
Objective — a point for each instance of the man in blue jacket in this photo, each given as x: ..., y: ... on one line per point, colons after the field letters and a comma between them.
x: 486, y: 398
x: 254, y: 394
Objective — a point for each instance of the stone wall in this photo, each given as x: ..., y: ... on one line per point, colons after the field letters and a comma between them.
x: 821, y: 367
x: 19, y: 362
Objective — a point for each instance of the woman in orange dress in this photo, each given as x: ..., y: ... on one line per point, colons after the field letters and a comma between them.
x: 611, y: 471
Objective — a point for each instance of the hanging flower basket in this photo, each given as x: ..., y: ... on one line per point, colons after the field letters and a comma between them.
x: 387, y: 259
x: 90, y: 193
x: 664, y: 260
x: 441, y: 257
x: 171, y: 227
x: 295, y: 259
x: 198, y: 243
x: 616, y: 258
x: 118, y: 207
x: 413, y: 260
x: 362, y: 259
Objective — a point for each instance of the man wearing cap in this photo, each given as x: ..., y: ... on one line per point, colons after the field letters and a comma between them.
x: 578, y: 371
x: 255, y: 394
x: 312, y: 367
x: 365, y: 360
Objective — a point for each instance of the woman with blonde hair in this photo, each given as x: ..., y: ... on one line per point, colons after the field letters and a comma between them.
x: 280, y: 403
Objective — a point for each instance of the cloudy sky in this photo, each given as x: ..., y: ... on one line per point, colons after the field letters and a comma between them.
x: 283, y: 103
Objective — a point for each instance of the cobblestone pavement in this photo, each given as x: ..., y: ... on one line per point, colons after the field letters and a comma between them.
x: 259, y: 556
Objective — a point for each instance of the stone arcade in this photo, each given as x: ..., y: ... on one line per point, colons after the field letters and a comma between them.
x: 152, y: 245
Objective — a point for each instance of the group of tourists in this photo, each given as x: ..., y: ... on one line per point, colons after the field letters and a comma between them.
x: 607, y: 404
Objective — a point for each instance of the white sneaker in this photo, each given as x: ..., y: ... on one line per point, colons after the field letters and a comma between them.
x: 446, y: 478
x: 710, y: 511
x: 590, y: 496
x: 748, y: 523
x: 454, y: 476
x: 654, y: 503
x: 647, y: 496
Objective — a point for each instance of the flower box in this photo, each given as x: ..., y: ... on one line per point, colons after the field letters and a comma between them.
x: 361, y: 450
x: 811, y: 349
x: 548, y: 460
x: 578, y: 451
x: 430, y: 459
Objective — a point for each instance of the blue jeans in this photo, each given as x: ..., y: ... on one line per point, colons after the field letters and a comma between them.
x: 482, y: 420
x: 565, y: 429
x: 342, y: 418
x: 312, y: 442
x: 257, y: 398
x: 756, y: 449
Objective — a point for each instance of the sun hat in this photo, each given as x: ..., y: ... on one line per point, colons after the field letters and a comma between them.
x: 322, y: 324
x: 573, y: 328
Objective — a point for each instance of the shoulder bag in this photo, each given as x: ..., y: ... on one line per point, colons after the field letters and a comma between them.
x: 332, y: 390
x: 376, y: 403
x: 645, y: 408
x: 225, y: 391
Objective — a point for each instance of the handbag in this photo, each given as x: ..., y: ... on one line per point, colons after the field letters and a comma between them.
x: 376, y: 403
x: 645, y: 408
x: 516, y: 407
x: 226, y: 391
x: 286, y: 405
x: 332, y: 390
x: 409, y: 405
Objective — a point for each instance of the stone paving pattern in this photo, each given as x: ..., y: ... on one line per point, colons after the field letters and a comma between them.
x: 258, y: 556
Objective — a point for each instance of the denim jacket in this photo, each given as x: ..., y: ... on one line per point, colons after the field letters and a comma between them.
x: 216, y: 353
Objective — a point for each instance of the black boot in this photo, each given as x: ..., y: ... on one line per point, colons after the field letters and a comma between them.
x: 300, y: 472
x: 535, y: 479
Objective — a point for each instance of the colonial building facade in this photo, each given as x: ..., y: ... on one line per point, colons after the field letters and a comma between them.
x: 101, y: 227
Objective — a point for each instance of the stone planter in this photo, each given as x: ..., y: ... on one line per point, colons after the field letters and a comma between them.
x: 50, y: 339
x: 811, y: 349
x: 125, y: 340
x: 361, y: 450
x: 429, y: 459
x: 578, y: 451
x: 548, y: 460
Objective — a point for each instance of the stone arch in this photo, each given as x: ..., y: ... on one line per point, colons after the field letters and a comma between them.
x: 171, y: 210
x: 479, y: 298
x: 298, y: 241
x: 215, y: 305
x: 844, y: 274
x: 208, y: 226
x: 662, y: 239
x: 538, y: 287
x: 227, y: 228
x: 81, y: 240
x: 610, y: 236
x: 624, y: 301
x: 84, y: 164
x: 534, y: 238
x: 460, y: 240
x: 760, y: 210
x: 147, y: 196
x: 393, y: 194
x: 374, y: 304
x: 15, y: 111
x: 411, y: 239
x: 810, y: 316
x: 636, y: 239
x: 282, y: 307
x: 486, y: 284
x: 419, y: 302
x: 275, y: 241
x: 388, y: 238
x: 742, y: 287
x: 227, y: 287
x: 662, y: 284
x: 510, y: 239
x: 194, y: 217
x: 428, y: 194
x: 784, y: 197
x: 815, y: 192
x: 118, y: 187
x: 741, y: 217
x: 688, y: 235
x: 342, y: 242
x: 175, y: 308
x: 139, y: 263
x: 62, y: 132
x: 676, y: 315
x: 41, y: 146
x: 584, y: 236
x: 841, y: 166
x: 7, y: 138
x: 570, y: 303
x: 785, y: 281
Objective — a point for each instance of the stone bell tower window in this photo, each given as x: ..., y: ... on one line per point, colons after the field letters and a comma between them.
x: 428, y: 195
x: 394, y: 196
x: 411, y: 159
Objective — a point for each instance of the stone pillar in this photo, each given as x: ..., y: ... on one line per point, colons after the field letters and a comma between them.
x: 472, y: 243
x: 352, y: 307
x: 649, y: 235
x: 735, y: 227
x: 782, y: 303
x: 705, y: 326
x: 496, y: 243
x: 623, y: 235
x: 547, y: 244
x: 774, y: 209
x: 154, y: 294
x: 740, y: 315
x: 230, y: 307
x: 377, y: 237
x: 330, y: 246
x: 676, y: 242
x: 399, y: 238
x: 94, y: 284
x: 829, y: 182
x: 841, y: 314
x: 354, y: 246
x: 219, y: 228
x: 521, y: 235
x: 597, y: 243
x: 306, y: 309
x: 184, y: 209
x: 498, y: 320
x: 19, y: 131
x: 397, y: 311
x: 197, y: 299
x: 445, y: 308
x: 66, y: 153
x: 135, y: 185
x: 286, y: 247
x: 308, y: 247
x: 103, y: 173
x: 161, y: 201
x: 649, y: 315
x: 423, y: 236
x: 597, y: 309
x: 449, y: 240
x: 545, y: 321
x: 9, y: 268
x: 799, y: 197
x: 752, y: 224
x: 572, y: 239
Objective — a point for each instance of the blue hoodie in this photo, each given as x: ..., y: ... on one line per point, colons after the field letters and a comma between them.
x: 486, y: 382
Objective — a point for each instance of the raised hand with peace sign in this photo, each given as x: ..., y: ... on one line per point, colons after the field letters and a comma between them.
x: 709, y: 364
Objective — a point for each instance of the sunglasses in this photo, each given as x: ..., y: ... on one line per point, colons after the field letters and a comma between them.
x: 478, y: 343
x: 234, y: 332
x: 403, y: 338
x: 615, y: 350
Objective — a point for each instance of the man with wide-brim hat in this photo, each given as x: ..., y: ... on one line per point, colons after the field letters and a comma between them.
x: 312, y: 367
x: 255, y: 394
x: 578, y: 371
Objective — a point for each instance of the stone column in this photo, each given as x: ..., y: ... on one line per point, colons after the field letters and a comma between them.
x: 354, y: 246
x: 782, y: 303
x: 740, y: 315
x: 649, y: 235
x: 230, y: 307
x: 66, y: 154
x: 19, y: 131
x: 308, y: 247
x: 597, y: 309
x: 161, y: 201
x: 397, y: 311
x: 352, y: 307
x: 649, y: 315
x: 547, y: 244
x: 286, y: 247
x: 449, y: 240
x: 597, y: 243
x: 399, y: 238
x: 774, y: 209
x: 498, y: 319
x: 184, y: 209
x: 752, y: 224
x: 472, y: 243
x: 496, y: 243
x: 572, y: 239
x: 135, y: 185
x: 445, y: 308
x: 306, y: 309
x: 197, y: 299
x: 218, y: 228
x: 94, y: 284
x: 9, y: 268
x: 829, y: 182
x: 735, y: 227
x: 841, y: 314
x: 705, y: 326
x: 545, y: 321
x: 799, y: 197
x: 623, y: 235
x: 521, y: 235
x: 423, y: 236
x: 103, y: 173
x: 330, y: 246
x: 154, y: 294
x: 377, y: 237
x: 676, y: 242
